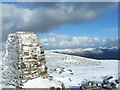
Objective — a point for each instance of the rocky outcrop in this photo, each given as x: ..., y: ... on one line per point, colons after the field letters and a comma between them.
x: 106, y: 84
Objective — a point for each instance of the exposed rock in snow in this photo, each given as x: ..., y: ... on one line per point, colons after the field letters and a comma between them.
x: 24, y: 59
x: 67, y: 59
x: 79, y: 70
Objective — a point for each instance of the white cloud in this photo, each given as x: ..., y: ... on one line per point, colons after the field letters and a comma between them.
x: 77, y: 42
x: 43, y: 19
x: 60, y: 0
x: 64, y: 41
x: 2, y: 46
x: 111, y: 29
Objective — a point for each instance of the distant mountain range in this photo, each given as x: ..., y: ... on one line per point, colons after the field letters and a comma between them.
x: 95, y: 53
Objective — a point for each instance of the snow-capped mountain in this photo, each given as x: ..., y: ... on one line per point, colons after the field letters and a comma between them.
x: 95, y: 53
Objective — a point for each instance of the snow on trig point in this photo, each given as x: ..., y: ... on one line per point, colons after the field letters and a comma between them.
x: 24, y: 59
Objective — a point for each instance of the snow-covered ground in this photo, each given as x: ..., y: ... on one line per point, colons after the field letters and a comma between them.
x: 73, y: 70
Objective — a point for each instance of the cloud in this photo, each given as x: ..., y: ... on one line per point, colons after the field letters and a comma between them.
x: 2, y: 46
x: 60, y: 0
x: 111, y: 29
x: 65, y: 41
x: 42, y: 17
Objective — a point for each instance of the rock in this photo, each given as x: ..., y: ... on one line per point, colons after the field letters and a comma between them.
x: 50, y: 78
x: 105, y: 85
x: 52, y: 88
x: 63, y: 86
x: 117, y: 81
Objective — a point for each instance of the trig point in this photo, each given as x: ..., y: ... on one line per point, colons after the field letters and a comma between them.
x: 24, y: 59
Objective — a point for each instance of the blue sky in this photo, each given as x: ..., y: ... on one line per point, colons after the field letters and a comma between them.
x: 100, y: 27
x: 63, y: 24
x: 104, y: 27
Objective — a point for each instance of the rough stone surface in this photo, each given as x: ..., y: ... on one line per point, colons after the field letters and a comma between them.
x: 24, y: 59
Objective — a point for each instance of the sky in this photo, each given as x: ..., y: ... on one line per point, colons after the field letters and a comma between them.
x: 105, y: 26
x: 64, y: 24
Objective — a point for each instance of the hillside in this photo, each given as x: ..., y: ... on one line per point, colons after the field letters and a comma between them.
x: 73, y: 71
